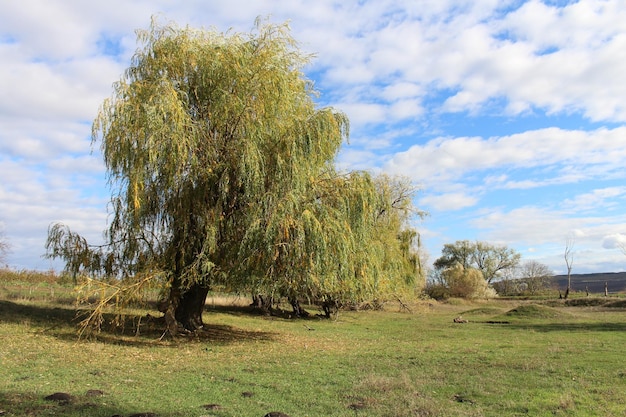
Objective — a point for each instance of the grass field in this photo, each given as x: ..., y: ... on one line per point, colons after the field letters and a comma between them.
x: 512, y: 358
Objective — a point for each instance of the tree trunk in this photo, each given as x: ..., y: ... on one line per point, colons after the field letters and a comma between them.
x: 298, y: 311
x: 184, y: 308
x: 330, y: 307
x: 263, y: 303
x: 190, y: 307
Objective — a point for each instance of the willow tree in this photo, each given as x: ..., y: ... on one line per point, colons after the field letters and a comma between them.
x: 221, y: 171
x: 347, y: 239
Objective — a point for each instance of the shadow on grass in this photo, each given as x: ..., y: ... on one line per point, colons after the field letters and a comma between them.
x: 234, y: 309
x: 24, y: 404
x: 12, y: 312
x: 274, y: 314
x: 28, y: 404
x: 567, y: 327
x: 131, y: 330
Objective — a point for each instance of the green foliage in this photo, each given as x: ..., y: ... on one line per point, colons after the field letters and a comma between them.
x: 78, y: 255
x: 348, y: 243
x: 222, y: 172
x: 490, y: 260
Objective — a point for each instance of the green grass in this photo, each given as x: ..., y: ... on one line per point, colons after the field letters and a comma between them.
x: 511, y: 359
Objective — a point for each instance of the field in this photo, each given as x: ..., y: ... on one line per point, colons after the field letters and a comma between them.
x: 512, y: 358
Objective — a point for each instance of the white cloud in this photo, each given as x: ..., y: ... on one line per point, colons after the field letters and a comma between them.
x: 401, y: 90
x: 525, y: 224
x: 508, y: 59
x: 589, y: 22
x: 450, y: 159
x: 355, y: 159
x: 34, y: 89
x: 539, y: 56
x: 36, y: 196
x: 364, y: 113
x: 406, y: 109
x: 347, y: 75
x: 42, y: 140
x: 536, y: 225
x: 394, y: 66
x: 603, y: 198
x: 615, y: 241
x: 448, y: 201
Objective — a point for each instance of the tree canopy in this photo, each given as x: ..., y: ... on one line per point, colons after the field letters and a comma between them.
x: 489, y: 259
x: 222, y: 171
x: 535, y: 275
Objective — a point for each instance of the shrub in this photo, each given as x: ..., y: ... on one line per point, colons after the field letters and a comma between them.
x: 466, y: 283
x: 437, y: 291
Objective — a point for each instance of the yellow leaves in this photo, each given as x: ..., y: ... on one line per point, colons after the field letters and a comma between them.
x: 135, y: 196
x: 215, y: 139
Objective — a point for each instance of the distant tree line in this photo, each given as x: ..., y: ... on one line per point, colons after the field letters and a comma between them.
x: 479, y: 269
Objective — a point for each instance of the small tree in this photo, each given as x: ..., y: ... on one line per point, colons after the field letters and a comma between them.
x: 4, y: 247
x: 461, y: 252
x: 569, y: 262
x: 490, y: 260
x: 509, y: 282
x: 536, y: 276
x: 436, y: 286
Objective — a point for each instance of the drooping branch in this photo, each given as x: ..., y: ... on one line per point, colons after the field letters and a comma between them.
x: 221, y: 169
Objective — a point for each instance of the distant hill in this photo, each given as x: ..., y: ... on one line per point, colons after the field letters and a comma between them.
x: 616, y: 282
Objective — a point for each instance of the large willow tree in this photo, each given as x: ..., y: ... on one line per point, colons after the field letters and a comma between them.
x: 221, y: 170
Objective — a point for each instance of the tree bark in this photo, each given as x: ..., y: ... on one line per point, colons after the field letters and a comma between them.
x: 263, y: 303
x: 184, y: 308
x: 330, y: 307
x: 298, y: 311
x: 190, y: 307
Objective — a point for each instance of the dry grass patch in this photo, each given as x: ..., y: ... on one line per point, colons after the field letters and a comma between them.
x: 392, y: 396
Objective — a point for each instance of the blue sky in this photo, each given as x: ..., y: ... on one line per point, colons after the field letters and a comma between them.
x: 510, y: 116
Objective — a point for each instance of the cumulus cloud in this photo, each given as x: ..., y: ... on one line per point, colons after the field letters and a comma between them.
x: 396, y: 67
x: 36, y: 196
x: 603, y: 198
x: 448, y: 201
x: 615, y: 241
x: 539, y: 230
x: 448, y: 159
x: 536, y: 224
x: 559, y: 59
